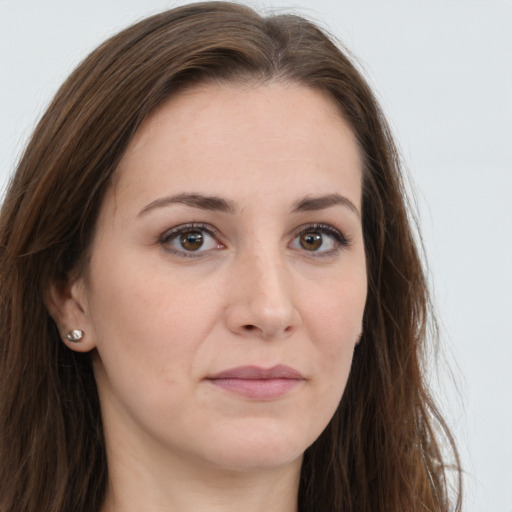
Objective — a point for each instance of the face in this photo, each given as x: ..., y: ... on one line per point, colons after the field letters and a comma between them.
x: 227, y: 281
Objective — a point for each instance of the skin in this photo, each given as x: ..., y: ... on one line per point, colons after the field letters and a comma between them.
x: 160, y: 320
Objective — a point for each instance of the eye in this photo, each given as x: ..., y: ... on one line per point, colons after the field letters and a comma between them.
x: 190, y: 240
x: 320, y: 239
x: 312, y: 241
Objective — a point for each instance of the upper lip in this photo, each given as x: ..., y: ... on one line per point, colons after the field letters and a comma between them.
x: 279, y: 371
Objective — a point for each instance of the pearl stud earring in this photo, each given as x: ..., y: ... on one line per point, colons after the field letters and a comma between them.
x: 75, y: 335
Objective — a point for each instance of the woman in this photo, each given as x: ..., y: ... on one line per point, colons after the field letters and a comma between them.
x: 211, y: 297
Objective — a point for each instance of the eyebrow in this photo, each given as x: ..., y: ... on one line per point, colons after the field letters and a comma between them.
x: 312, y: 203
x: 215, y: 203
x: 212, y: 203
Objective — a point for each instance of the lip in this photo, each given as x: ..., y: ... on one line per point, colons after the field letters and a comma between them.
x: 258, y: 383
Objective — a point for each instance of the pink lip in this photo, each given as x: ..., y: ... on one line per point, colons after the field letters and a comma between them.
x: 258, y: 383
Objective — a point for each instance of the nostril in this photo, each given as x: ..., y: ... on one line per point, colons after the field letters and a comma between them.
x: 249, y: 327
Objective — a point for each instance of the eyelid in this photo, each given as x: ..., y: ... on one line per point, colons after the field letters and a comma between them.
x: 341, y: 240
x: 175, y: 231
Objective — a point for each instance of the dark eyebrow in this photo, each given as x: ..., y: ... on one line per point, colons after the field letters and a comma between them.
x: 195, y: 201
x: 311, y: 204
x: 214, y: 203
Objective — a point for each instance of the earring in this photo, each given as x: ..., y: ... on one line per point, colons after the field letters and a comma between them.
x: 75, y: 335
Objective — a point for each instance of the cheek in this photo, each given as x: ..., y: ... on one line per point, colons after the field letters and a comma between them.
x: 334, y: 320
x: 145, y: 331
x: 336, y: 314
x: 148, y: 336
x: 150, y: 306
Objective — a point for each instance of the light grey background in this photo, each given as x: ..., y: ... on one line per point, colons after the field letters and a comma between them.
x: 443, y: 72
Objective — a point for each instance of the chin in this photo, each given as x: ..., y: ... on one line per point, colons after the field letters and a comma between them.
x: 258, y: 448
x: 257, y: 460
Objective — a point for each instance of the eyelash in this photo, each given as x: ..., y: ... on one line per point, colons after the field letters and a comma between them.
x: 341, y: 241
x: 175, y: 232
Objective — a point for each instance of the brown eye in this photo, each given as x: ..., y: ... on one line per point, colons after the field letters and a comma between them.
x: 319, y: 240
x: 191, y: 240
x: 311, y: 241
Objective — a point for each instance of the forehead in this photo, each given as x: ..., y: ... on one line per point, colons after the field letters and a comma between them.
x: 253, y: 136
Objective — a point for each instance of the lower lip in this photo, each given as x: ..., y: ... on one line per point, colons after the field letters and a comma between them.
x: 258, y: 389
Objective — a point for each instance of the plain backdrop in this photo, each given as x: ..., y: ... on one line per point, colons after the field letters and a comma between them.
x: 442, y: 70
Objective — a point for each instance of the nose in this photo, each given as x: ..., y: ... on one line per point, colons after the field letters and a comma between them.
x: 260, y: 303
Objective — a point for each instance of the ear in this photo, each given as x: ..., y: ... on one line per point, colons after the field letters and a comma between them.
x: 66, y: 301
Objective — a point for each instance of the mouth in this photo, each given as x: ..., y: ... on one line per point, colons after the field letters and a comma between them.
x: 258, y: 383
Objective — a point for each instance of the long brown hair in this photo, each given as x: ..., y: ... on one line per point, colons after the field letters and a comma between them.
x: 384, y: 448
